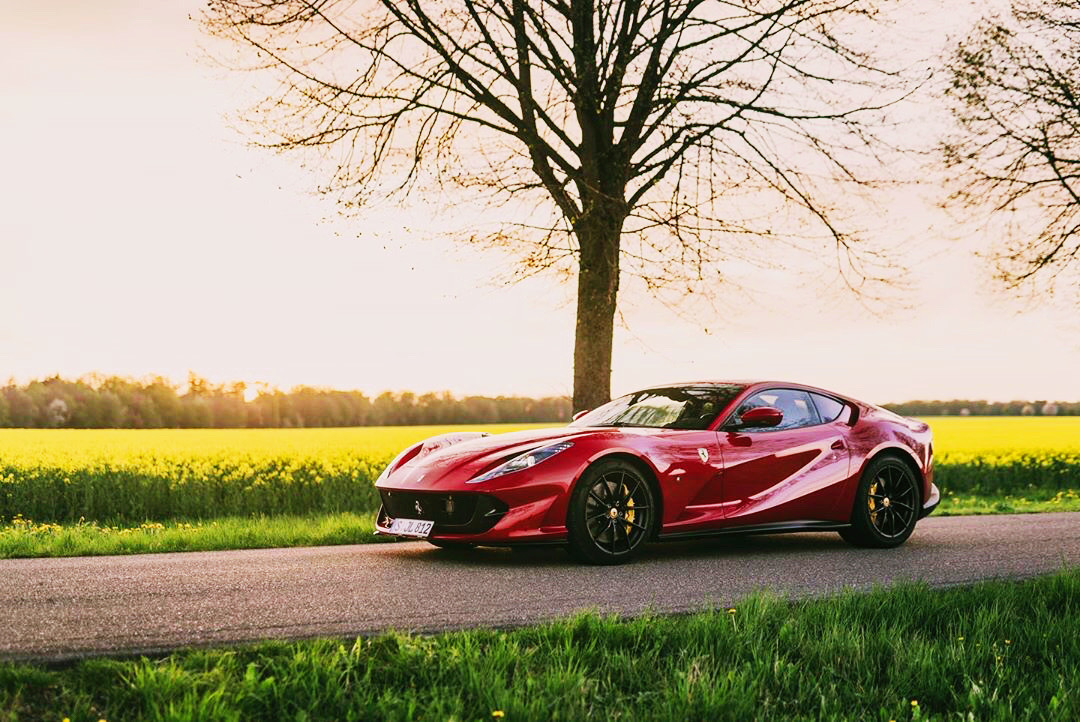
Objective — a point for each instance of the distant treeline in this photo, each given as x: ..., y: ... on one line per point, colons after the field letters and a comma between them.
x: 96, y: 402
x: 105, y: 402
x: 960, y: 407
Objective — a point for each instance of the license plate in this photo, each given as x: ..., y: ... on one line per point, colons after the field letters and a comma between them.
x: 411, y: 527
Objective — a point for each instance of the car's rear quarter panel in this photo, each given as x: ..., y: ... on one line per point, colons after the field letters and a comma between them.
x: 878, y: 432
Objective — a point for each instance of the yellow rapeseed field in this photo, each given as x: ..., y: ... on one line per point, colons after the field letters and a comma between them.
x: 954, y: 436
x: 63, y: 447
x: 135, y: 476
x: 958, y: 437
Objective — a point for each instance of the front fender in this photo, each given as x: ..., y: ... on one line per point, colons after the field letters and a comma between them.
x: 556, y: 515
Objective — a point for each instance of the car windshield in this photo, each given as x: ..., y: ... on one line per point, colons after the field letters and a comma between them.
x: 677, y: 407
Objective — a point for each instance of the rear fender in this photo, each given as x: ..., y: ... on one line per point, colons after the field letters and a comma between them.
x: 890, y: 448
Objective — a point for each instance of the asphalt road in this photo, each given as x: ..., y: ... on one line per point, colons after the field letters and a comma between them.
x: 57, y: 609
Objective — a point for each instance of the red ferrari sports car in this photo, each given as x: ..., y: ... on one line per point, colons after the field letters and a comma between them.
x: 671, y: 462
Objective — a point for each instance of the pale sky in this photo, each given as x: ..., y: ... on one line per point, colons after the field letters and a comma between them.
x: 140, y: 235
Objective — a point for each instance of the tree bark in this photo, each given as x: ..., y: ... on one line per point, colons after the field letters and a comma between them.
x: 598, y: 233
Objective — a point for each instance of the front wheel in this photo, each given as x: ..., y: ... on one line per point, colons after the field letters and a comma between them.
x: 612, y: 513
x: 886, y: 505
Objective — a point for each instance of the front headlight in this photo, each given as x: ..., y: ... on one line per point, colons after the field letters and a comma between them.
x: 523, y: 461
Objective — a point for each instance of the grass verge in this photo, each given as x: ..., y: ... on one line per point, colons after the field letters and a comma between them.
x: 24, y: 538
x: 1033, y: 501
x: 996, y: 650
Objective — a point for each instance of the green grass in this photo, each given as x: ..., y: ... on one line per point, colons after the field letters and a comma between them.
x: 24, y: 538
x: 994, y: 651
x: 1035, y: 501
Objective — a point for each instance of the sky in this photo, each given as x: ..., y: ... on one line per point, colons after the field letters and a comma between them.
x: 141, y: 234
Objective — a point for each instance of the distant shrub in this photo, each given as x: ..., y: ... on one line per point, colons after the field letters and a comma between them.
x: 1008, y: 474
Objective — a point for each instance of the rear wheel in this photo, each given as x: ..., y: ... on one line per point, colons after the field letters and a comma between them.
x: 886, y: 505
x: 612, y: 513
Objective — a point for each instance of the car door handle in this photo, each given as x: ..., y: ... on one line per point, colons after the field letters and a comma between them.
x: 838, y: 445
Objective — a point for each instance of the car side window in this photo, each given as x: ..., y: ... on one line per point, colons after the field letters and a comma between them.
x: 796, y: 406
x: 829, y: 408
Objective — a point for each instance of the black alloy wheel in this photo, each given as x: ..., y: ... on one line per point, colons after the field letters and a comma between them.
x: 612, y: 513
x: 886, y: 505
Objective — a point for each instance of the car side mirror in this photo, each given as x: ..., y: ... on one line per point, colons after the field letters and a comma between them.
x: 761, y: 417
x: 579, y: 414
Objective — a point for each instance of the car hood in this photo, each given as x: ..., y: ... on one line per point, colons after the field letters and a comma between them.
x: 466, y: 459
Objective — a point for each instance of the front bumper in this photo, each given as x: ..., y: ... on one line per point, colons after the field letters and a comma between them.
x: 533, y: 513
x: 453, y: 513
x: 932, y: 502
x: 525, y: 507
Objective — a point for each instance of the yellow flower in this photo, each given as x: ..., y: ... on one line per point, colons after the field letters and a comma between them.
x: 731, y: 610
x: 1008, y: 641
x: 959, y: 639
x: 67, y: 719
x: 497, y: 713
x: 914, y: 703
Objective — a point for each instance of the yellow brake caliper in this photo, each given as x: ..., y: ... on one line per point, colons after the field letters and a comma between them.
x: 629, y: 511
x: 873, y: 504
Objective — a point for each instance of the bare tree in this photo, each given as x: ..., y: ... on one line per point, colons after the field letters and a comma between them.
x: 1015, y: 87
x: 655, y: 138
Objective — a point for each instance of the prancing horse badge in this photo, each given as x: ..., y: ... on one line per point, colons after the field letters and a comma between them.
x: 704, y: 454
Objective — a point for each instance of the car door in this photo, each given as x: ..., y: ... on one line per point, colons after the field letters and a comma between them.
x: 791, y: 472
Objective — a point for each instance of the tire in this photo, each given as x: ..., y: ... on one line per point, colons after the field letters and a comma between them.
x: 612, y: 513
x: 451, y: 545
x: 886, y: 506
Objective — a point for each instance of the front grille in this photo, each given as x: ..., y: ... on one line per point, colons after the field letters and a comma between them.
x: 439, y: 508
x: 465, y: 513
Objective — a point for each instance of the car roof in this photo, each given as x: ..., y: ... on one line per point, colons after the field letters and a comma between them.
x: 755, y: 384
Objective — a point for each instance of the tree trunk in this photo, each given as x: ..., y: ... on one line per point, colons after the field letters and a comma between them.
x: 598, y: 233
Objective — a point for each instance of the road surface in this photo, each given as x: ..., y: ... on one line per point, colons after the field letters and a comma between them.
x: 56, y: 609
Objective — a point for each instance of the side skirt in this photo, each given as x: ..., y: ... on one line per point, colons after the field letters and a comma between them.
x: 774, y: 528
x: 546, y: 544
